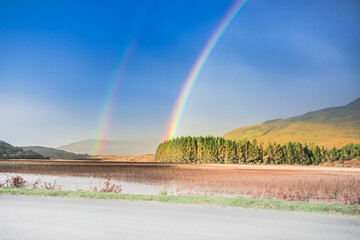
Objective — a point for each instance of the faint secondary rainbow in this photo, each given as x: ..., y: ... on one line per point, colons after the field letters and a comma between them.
x: 104, y: 122
x: 199, y: 64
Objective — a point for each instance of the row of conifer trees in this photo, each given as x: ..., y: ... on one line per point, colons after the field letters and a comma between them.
x: 218, y: 150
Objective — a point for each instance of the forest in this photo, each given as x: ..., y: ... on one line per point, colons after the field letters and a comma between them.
x: 218, y: 150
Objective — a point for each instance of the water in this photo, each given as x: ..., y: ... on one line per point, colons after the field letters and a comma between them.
x: 72, y: 183
x: 86, y: 183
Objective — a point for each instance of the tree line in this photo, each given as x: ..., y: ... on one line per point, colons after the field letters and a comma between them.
x: 218, y: 150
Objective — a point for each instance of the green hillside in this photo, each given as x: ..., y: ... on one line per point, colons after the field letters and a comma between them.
x: 8, y: 151
x: 328, y: 127
x: 53, y: 153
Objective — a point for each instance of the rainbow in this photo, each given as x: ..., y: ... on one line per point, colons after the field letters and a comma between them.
x: 199, y: 64
x: 104, y: 122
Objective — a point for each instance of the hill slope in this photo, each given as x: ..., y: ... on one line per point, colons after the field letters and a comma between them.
x: 54, y: 153
x: 329, y: 127
x: 112, y: 147
x: 8, y: 151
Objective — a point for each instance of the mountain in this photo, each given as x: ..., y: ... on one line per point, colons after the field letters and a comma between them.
x: 112, y: 147
x: 8, y: 151
x: 335, y: 126
x: 53, y: 153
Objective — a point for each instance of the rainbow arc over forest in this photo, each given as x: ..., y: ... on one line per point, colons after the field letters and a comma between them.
x: 199, y: 64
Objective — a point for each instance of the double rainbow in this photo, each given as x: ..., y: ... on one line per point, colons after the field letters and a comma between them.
x: 107, y: 109
x: 199, y: 64
x: 109, y: 102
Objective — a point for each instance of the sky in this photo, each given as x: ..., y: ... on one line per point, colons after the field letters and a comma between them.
x: 72, y: 69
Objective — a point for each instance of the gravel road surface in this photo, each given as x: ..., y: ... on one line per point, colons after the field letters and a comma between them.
x: 24, y: 217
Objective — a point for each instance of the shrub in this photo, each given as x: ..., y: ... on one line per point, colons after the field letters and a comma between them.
x: 108, y: 187
x: 17, y: 182
x: 48, y: 185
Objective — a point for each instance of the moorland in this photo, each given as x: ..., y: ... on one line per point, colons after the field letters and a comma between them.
x: 330, y: 127
x: 297, y: 183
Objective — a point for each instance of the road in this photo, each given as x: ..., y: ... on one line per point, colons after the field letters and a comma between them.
x: 23, y: 217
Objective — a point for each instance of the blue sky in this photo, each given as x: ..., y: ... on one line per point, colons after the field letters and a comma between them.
x: 276, y: 60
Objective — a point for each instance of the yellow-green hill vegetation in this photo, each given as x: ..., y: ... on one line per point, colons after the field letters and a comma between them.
x: 336, y: 126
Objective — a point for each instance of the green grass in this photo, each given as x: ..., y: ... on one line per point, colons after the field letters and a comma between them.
x: 325, y: 208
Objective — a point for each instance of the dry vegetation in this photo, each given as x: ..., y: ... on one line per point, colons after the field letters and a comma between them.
x: 322, y: 134
x: 316, y: 184
x: 19, y: 182
x: 336, y: 126
x: 140, y: 158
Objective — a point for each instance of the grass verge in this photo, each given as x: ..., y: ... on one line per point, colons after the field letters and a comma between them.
x: 327, y: 208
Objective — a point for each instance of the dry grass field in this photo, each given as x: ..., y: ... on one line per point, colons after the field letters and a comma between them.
x: 140, y: 158
x: 298, y: 183
x: 327, y: 135
x: 329, y: 127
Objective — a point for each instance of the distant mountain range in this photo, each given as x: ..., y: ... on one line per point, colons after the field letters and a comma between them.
x: 328, y: 127
x: 79, y: 150
x: 53, y: 153
x: 8, y: 151
x: 113, y: 147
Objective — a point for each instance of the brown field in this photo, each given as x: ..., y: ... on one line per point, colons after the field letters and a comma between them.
x: 300, y: 183
x: 140, y: 158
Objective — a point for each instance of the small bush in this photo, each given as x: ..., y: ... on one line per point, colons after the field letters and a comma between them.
x: 36, y: 184
x: 17, y: 182
x: 108, y: 187
x: 50, y: 186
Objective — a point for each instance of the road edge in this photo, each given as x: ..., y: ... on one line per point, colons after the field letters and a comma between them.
x: 261, y: 203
